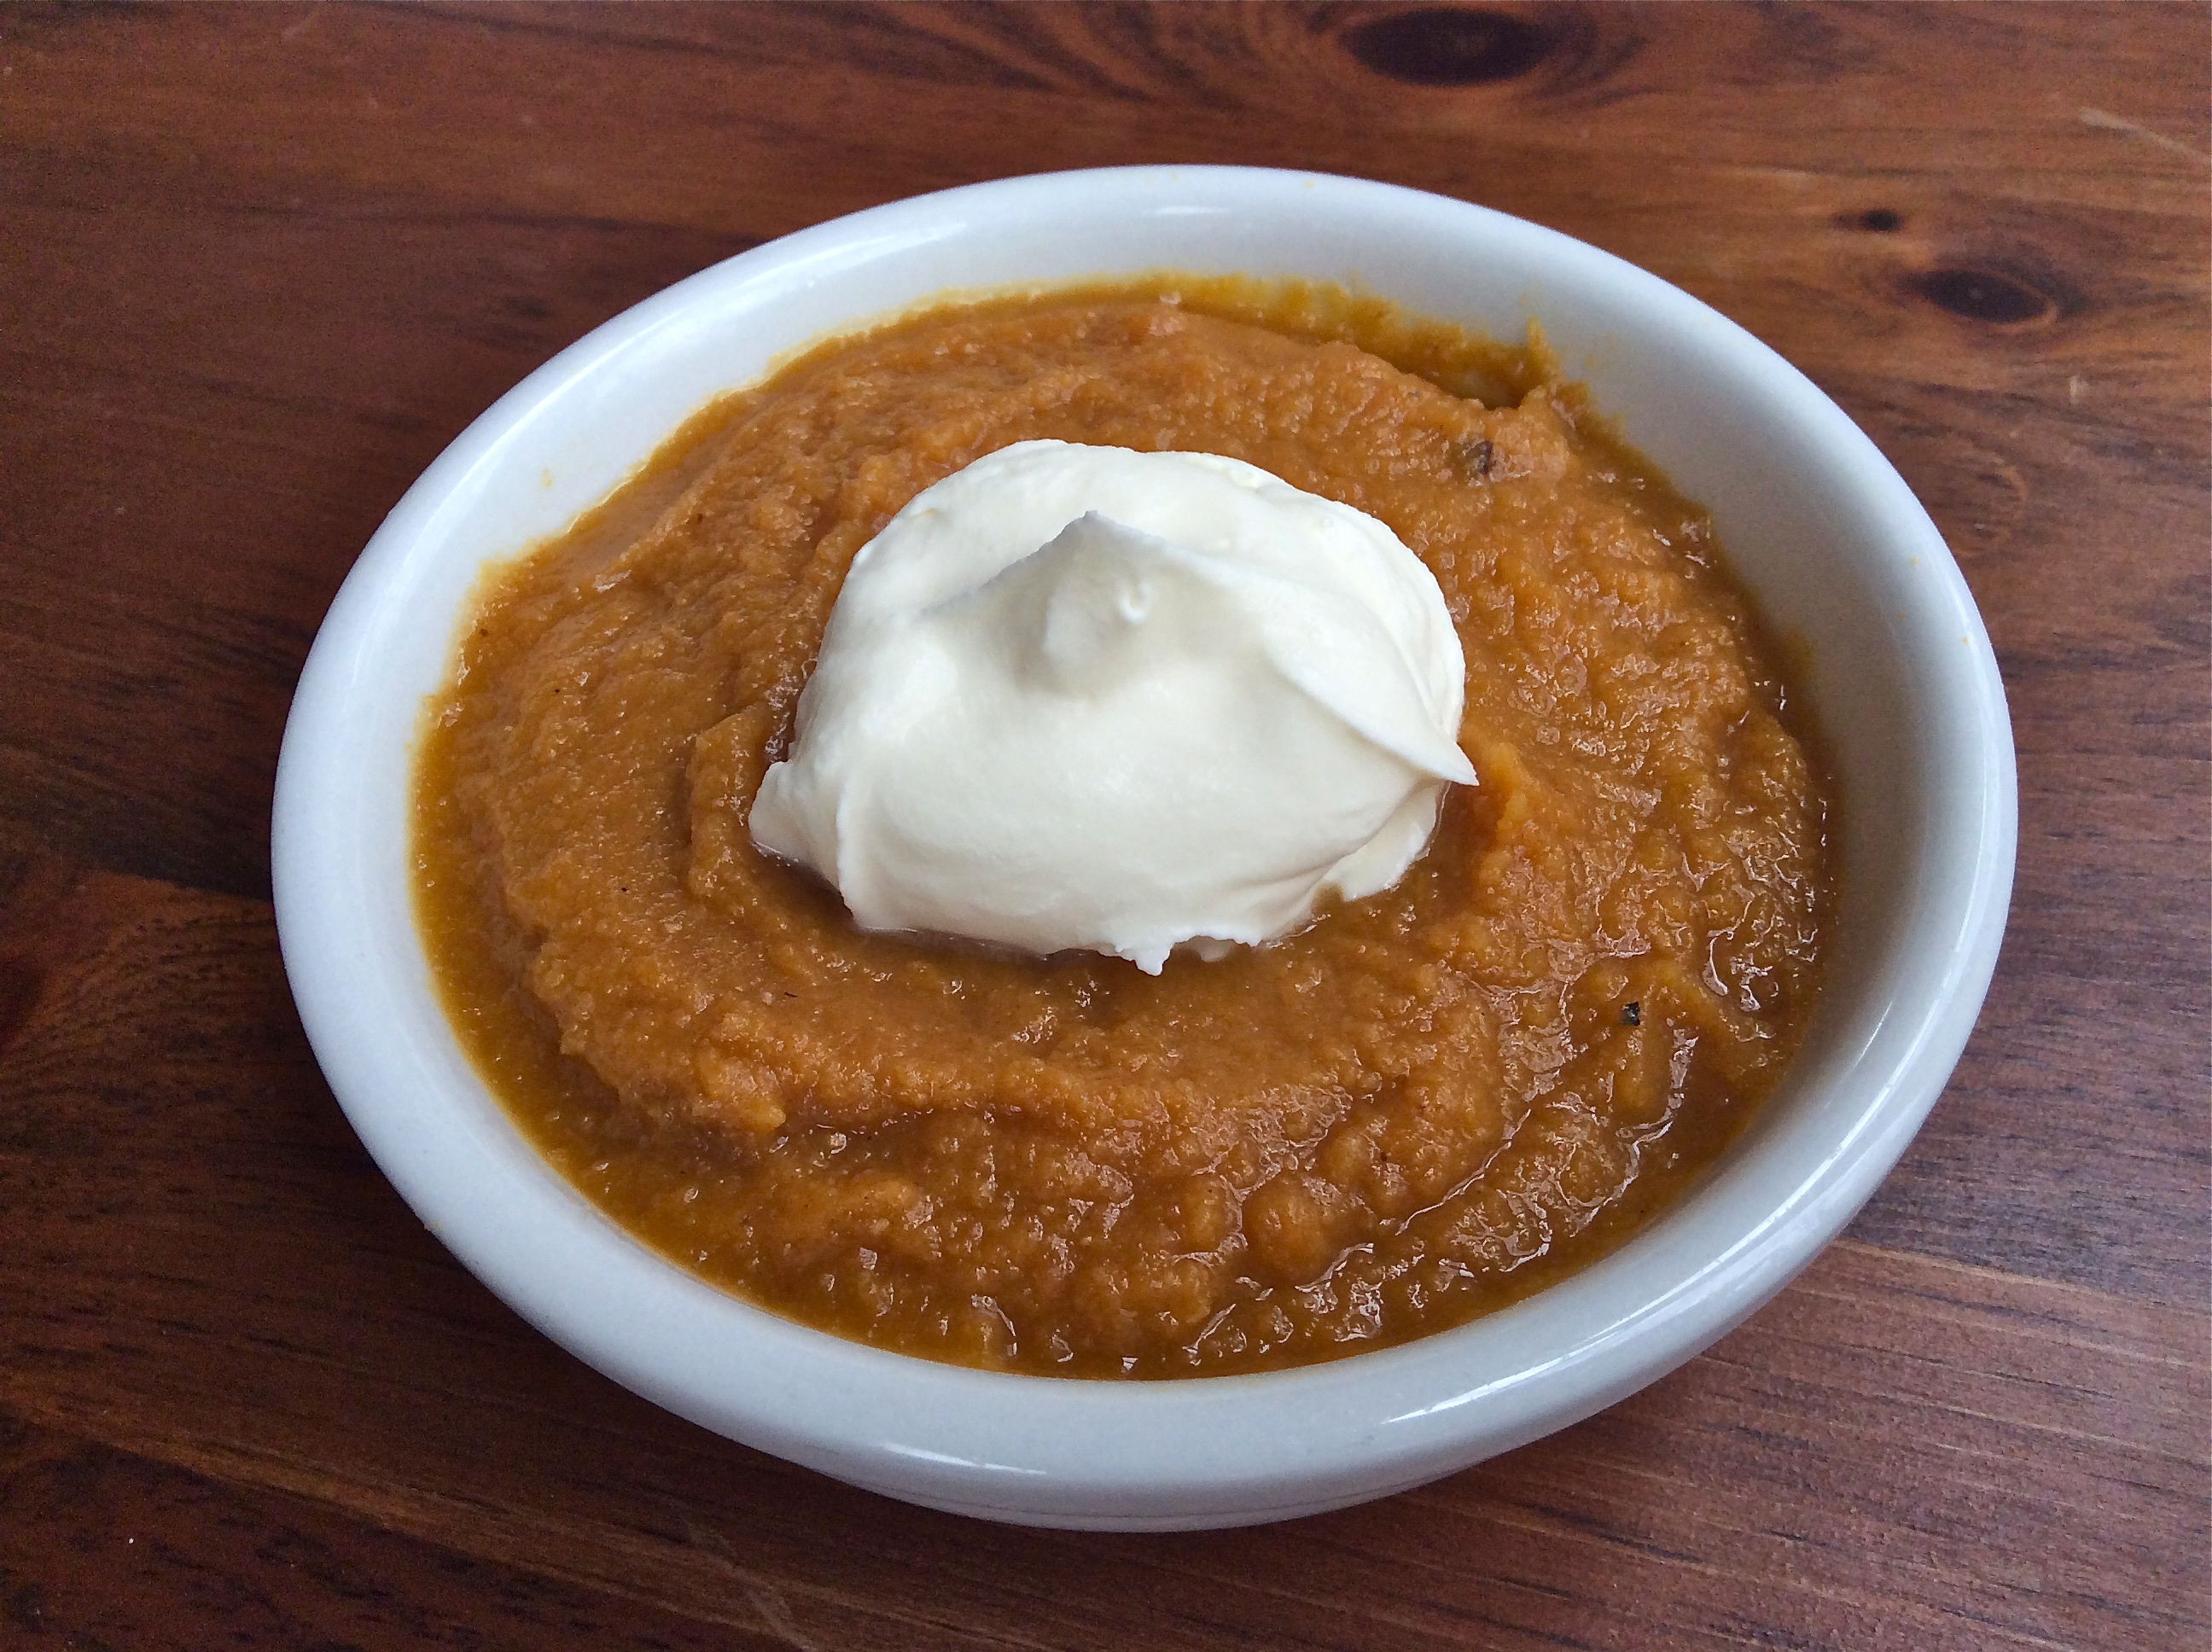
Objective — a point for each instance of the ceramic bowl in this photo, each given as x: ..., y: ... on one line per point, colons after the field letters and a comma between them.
x: 1842, y: 558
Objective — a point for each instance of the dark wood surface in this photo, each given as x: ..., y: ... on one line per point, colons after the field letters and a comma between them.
x: 258, y: 266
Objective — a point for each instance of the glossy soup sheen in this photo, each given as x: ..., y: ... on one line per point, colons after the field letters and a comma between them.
x: 1424, y: 1106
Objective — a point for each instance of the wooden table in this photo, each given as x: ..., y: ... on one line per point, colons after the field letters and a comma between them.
x: 258, y: 266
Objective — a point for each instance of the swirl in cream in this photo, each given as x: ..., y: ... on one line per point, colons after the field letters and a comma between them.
x: 1082, y: 696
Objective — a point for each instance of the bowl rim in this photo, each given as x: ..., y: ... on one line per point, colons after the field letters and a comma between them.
x: 1178, y: 1452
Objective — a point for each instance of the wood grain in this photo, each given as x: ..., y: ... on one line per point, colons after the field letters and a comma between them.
x: 258, y: 265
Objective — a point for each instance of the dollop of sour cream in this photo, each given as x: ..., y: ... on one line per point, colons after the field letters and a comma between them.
x: 1083, y: 696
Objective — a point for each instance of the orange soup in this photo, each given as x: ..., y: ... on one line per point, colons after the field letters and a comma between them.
x: 1422, y: 1106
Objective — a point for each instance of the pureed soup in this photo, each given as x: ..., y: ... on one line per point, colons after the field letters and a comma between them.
x: 1424, y: 1105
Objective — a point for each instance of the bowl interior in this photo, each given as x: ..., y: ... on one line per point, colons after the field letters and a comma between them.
x: 1843, y: 563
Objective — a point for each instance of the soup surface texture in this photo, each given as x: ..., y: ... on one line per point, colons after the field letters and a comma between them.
x: 1422, y: 1106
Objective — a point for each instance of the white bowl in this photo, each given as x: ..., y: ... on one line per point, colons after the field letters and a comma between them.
x: 1838, y: 552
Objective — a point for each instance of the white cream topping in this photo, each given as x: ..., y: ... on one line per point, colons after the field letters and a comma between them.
x: 1078, y: 696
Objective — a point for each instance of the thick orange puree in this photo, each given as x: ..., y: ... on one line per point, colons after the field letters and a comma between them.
x: 1426, y: 1104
